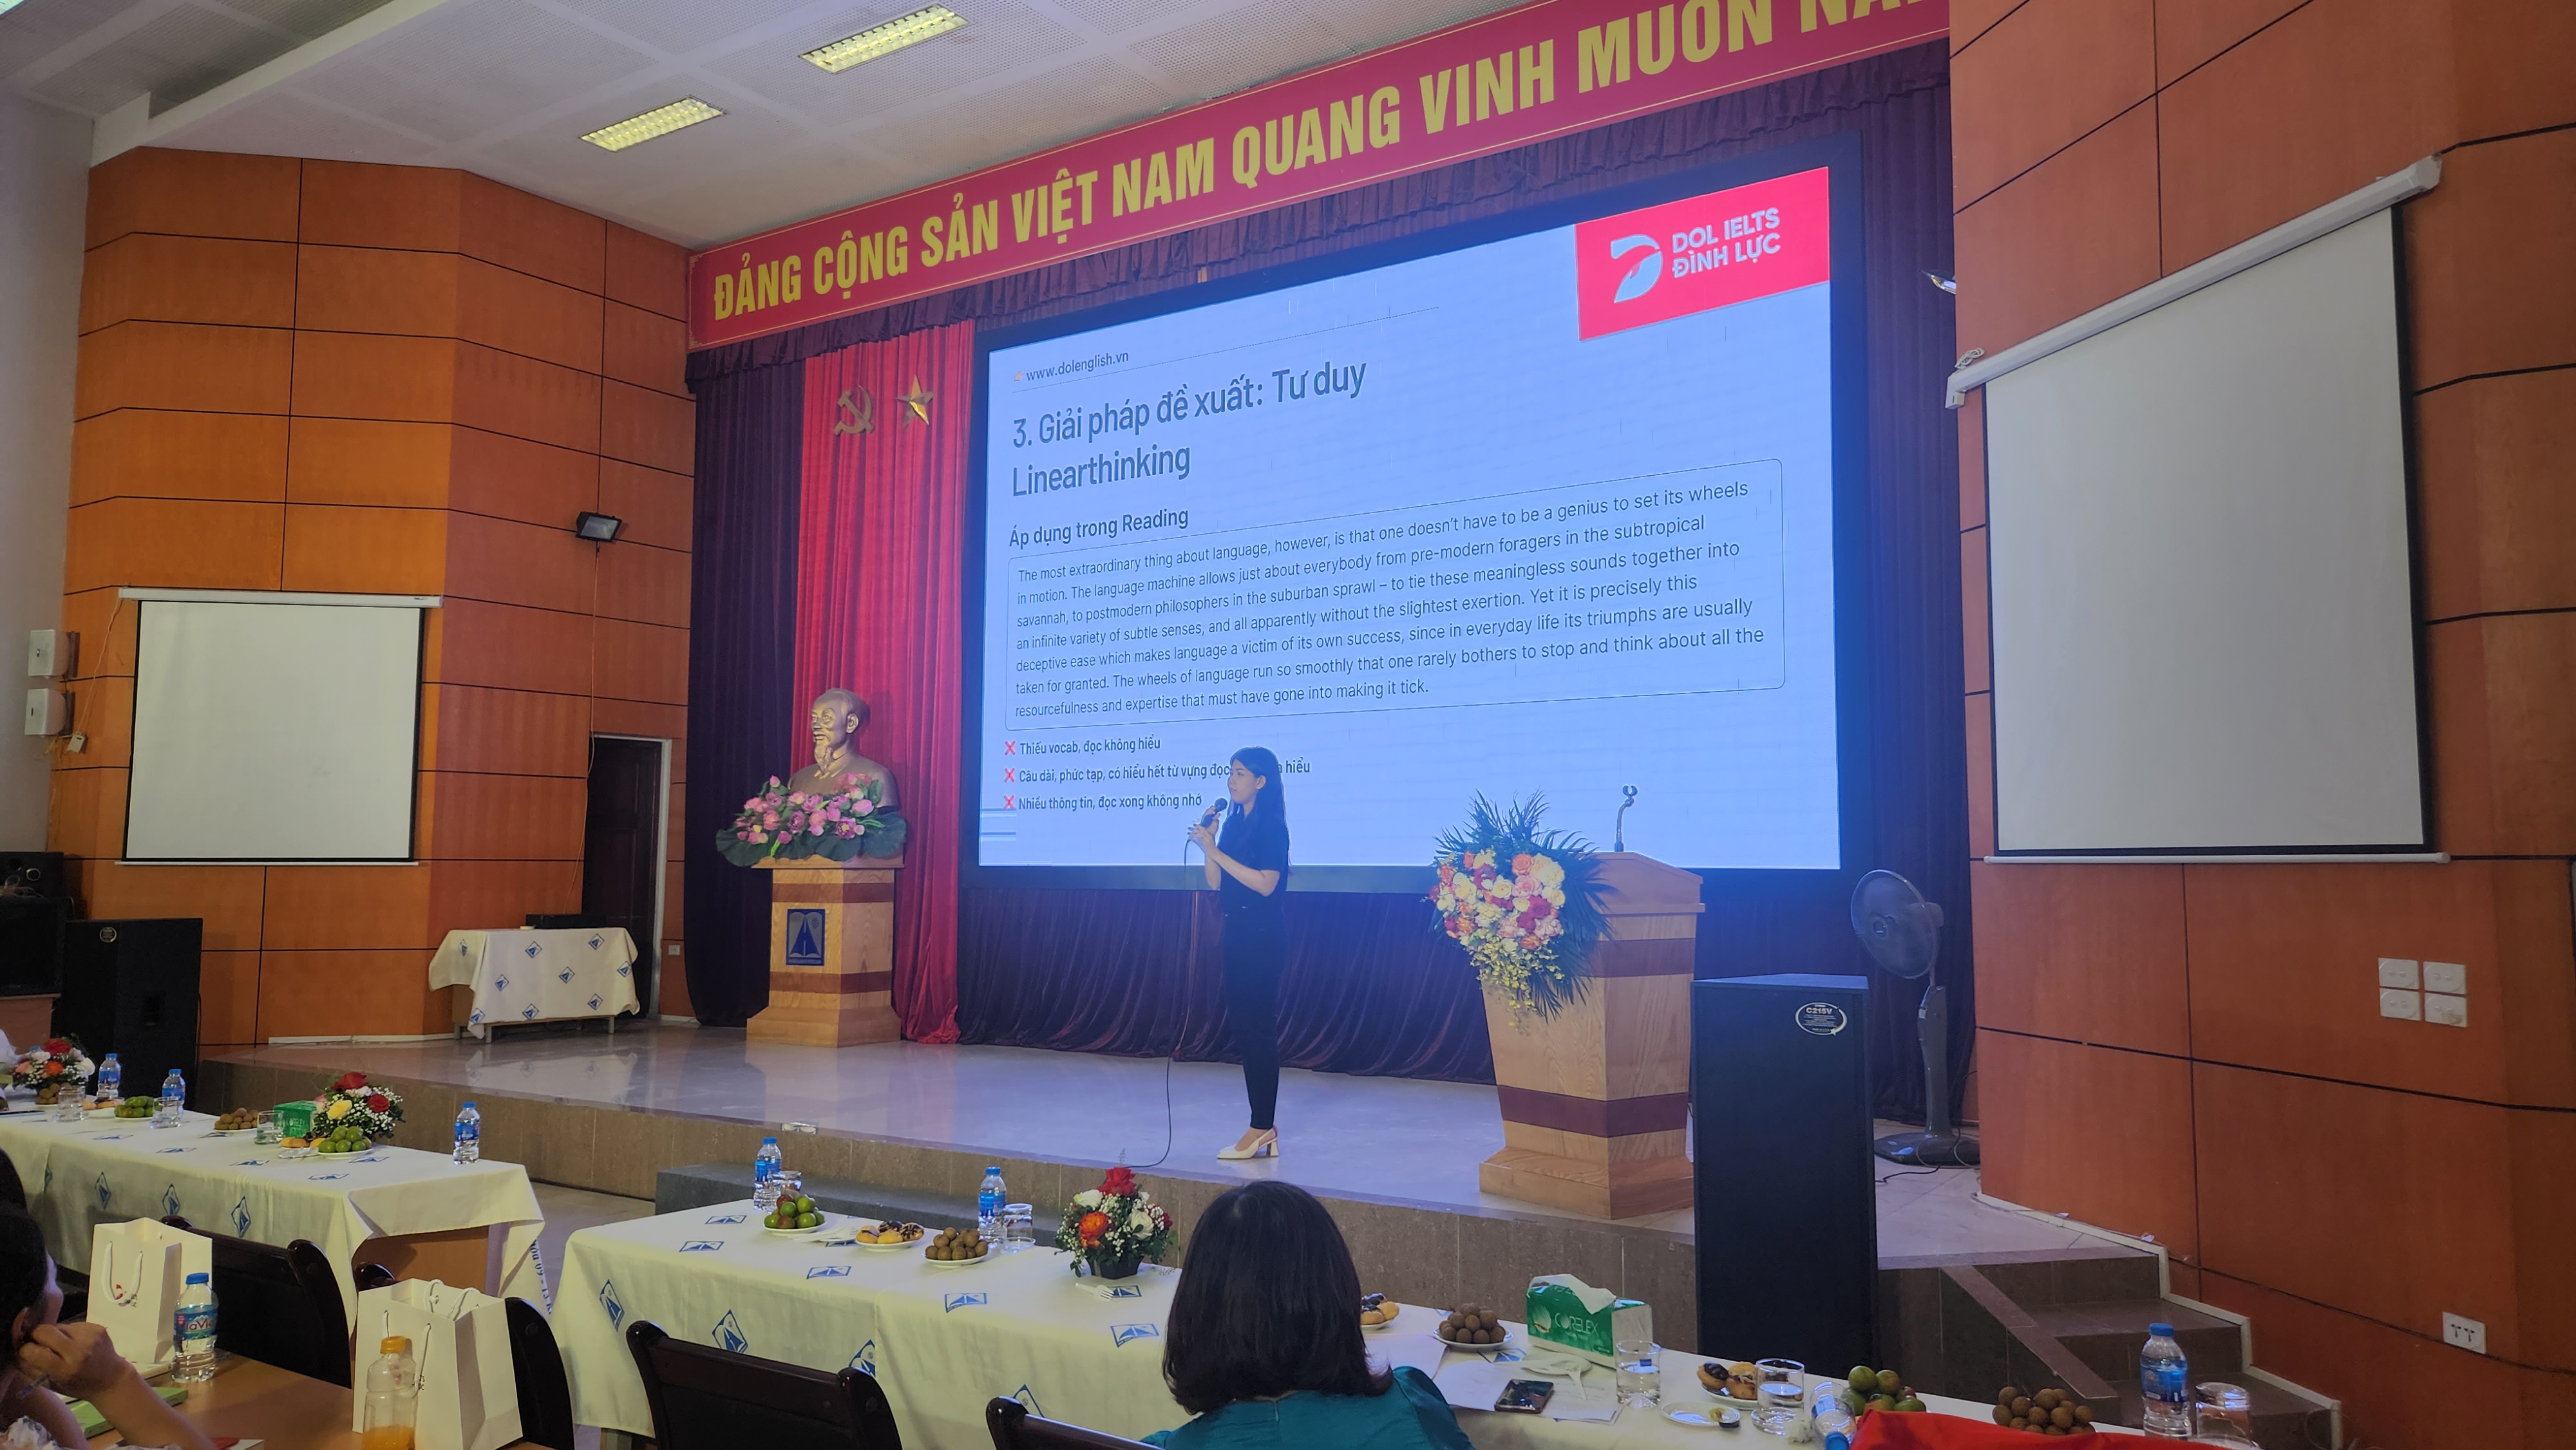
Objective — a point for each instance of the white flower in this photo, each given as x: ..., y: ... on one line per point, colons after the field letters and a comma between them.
x: 1142, y: 1221
x: 1088, y: 1198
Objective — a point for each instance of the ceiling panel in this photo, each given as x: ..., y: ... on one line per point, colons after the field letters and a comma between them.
x: 183, y: 51
x: 282, y: 123
x: 1241, y: 47
x: 678, y: 27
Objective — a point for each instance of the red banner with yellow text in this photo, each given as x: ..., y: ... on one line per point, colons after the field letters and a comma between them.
x: 1524, y: 75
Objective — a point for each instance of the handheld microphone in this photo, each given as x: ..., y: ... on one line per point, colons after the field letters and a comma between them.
x: 1214, y: 810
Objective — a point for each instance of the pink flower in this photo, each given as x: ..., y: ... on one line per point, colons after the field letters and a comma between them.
x: 863, y: 807
x: 757, y: 837
x: 752, y: 804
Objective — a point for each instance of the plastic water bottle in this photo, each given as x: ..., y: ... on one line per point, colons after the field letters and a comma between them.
x: 469, y: 1135
x: 1832, y: 1420
x: 174, y: 1100
x: 393, y: 1397
x: 2164, y: 1382
x: 988, y: 1204
x: 764, y: 1176
x: 111, y: 1080
x: 192, y: 1331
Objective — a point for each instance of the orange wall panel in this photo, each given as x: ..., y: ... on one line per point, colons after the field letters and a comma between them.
x: 509, y: 228
x: 646, y: 349
x: 346, y: 908
x: 85, y: 814
x: 145, y: 276
x: 2284, y: 974
x: 643, y: 662
x: 228, y: 999
x: 1977, y: 641
x: 2512, y: 61
x: 2067, y: 236
x: 352, y: 204
x: 2086, y: 953
x: 193, y: 194
x: 1972, y: 461
x: 363, y: 461
x: 2189, y: 33
x: 653, y: 429
x: 646, y: 585
x: 150, y: 453
x: 332, y: 549
x: 518, y: 313
x: 2530, y: 747
x: 2495, y: 517
x: 499, y: 561
x: 647, y: 272
x: 512, y: 478
x: 2069, y: 1129
x: 348, y: 994
x: 185, y: 366
x: 376, y: 290
x: 503, y: 817
x: 510, y: 647
x: 105, y: 624
x: 505, y: 393
x: 488, y: 895
x: 654, y: 506
x: 227, y: 898
x: 1981, y: 775
x: 2043, y: 76
x: 349, y: 375
x: 505, y: 732
x: 173, y: 544
x: 2340, y: 92
x: 2488, y: 286
x: 103, y: 710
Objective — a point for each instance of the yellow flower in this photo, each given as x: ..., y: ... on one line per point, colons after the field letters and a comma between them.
x: 339, y: 1108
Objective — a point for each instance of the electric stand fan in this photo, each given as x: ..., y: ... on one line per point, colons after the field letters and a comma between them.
x: 1902, y: 933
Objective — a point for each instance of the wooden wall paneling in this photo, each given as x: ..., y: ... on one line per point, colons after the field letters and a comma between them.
x: 650, y: 428
x: 366, y: 461
x: 153, y: 453
x: 2455, y: 709
x: 513, y: 647
x: 332, y: 549
x: 346, y: 908
x: 146, y: 276
x: 355, y: 204
x: 1972, y: 461
x: 2189, y: 33
x: 2531, y: 751
x: 85, y: 811
x: 354, y: 375
x: 1980, y: 710
x: 646, y: 349
x: 2046, y: 1105
x: 2072, y: 233
x: 503, y: 392
x: 2333, y: 96
x: 2042, y: 77
x: 227, y: 999
x: 1975, y: 600
x: 655, y: 506
x: 647, y: 585
x: 2084, y: 953
x: 2542, y: 1149
x: 106, y: 625
x: 515, y: 312
x: 482, y: 895
x: 186, y: 366
x: 193, y: 194
x: 513, y: 478
x: 503, y: 817
x: 377, y: 290
x: 505, y: 732
x: 645, y: 271
x: 542, y: 566
x: 173, y: 544
x: 102, y: 708
x: 229, y: 899
x: 326, y: 993
x: 510, y: 228
x: 643, y: 662
x: 642, y: 717
x: 2488, y: 287
x: 2511, y: 60
x: 2495, y: 515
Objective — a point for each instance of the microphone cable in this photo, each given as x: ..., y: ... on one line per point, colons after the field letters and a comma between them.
x: 1181, y: 1034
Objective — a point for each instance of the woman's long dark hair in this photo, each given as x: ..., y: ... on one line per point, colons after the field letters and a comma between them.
x: 1268, y: 1303
x: 22, y: 1274
x: 1268, y: 812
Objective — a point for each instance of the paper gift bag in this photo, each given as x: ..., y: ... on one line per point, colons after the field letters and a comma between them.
x: 460, y: 1340
x: 136, y: 1270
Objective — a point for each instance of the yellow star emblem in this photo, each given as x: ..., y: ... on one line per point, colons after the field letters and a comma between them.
x: 916, y: 404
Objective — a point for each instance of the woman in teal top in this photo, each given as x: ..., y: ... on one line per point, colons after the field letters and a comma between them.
x: 1264, y: 1342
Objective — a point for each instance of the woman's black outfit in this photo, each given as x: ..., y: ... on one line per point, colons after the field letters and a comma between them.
x: 1256, y: 947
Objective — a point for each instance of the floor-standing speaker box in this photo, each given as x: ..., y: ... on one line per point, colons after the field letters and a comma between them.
x: 130, y: 987
x: 1787, y: 1224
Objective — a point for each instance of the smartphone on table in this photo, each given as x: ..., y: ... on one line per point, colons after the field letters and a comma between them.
x: 1525, y: 1397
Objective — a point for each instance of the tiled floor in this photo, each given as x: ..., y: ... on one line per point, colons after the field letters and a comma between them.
x: 1382, y: 1137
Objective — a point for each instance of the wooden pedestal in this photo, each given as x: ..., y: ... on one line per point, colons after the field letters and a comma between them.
x: 831, y: 953
x: 1596, y: 1100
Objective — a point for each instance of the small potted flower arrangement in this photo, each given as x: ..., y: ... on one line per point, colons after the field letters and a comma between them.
x: 792, y: 825
x: 353, y: 1102
x: 52, y: 1067
x: 1113, y: 1229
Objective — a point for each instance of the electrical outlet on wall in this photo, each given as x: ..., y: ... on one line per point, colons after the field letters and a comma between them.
x: 2449, y: 977
x: 2401, y: 1004
x: 2444, y: 1010
x: 2399, y: 972
x: 2461, y: 1332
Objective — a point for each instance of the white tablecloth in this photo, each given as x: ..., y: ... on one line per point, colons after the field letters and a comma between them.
x: 943, y: 1342
x: 106, y: 1170
x: 538, y: 976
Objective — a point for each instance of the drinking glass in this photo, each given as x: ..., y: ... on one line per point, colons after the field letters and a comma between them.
x: 2223, y: 1414
x: 1783, y: 1394
x: 268, y: 1134
x: 1019, y: 1227
x: 1641, y: 1374
x: 70, y: 1105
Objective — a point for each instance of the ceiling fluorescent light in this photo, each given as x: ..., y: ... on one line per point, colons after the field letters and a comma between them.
x: 661, y: 121
x: 886, y: 39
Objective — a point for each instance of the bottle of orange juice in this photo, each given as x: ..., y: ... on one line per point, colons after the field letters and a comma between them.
x: 393, y: 1397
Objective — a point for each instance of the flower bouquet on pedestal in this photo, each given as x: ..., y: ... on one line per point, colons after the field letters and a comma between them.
x: 1115, y: 1228
x: 1525, y: 903
x: 793, y: 825
x: 53, y: 1067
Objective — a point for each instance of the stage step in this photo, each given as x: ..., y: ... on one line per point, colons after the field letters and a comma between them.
x: 700, y: 1185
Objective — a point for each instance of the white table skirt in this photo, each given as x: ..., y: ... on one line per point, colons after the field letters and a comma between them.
x: 538, y: 976
x: 107, y: 1170
x: 943, y: 1342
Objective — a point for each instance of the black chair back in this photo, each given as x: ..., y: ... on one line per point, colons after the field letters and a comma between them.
x: 712, y: 1399
x: 279, y: 1306
x: 1014, y: 1428
x: 545, y: 1396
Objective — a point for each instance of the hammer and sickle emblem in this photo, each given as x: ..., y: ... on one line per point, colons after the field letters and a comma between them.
x: 858, y: 417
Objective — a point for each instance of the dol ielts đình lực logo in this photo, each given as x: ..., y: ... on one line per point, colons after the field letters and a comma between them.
x: 1702, y: 252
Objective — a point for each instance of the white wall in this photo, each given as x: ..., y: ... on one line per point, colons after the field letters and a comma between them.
x: 44, y: 186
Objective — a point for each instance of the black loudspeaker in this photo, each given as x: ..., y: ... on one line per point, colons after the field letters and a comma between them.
x: 31, y: 944
x: 130, y: 987
x: 1787, y: 1207
x: 32, y: 873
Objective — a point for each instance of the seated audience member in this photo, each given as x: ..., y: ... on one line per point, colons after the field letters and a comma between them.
x: 76, y: 1359
x: 1264, y: 1339
x: 13, y: 1189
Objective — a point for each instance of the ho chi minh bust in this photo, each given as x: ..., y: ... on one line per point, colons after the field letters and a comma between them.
x: 838, y: 717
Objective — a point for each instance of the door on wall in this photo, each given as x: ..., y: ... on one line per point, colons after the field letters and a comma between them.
x: 621, y: 849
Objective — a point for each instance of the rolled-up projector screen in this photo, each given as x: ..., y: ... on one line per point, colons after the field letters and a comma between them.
x: 2203, y: 628
x: 273, y: 732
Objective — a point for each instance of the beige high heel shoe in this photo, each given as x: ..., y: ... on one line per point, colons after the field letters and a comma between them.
x: 1269, y: 1145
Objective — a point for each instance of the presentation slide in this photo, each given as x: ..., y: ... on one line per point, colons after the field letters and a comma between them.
x: 1549, y: 514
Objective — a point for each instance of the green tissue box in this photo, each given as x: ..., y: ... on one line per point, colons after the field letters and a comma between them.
x: 1566, y: 1313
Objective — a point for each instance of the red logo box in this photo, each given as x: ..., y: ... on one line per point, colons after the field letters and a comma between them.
x: 1688, y: 256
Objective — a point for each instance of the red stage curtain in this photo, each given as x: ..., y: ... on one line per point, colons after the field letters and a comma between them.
x: 881, y: 550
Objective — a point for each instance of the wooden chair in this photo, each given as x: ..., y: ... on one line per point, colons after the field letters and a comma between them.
x: 278, y: 1306
x: 545, y: 1395
x: 712, y: 1399
x: 1014, y: 1428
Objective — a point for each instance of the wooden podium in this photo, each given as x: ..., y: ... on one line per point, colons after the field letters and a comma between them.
x: 1596, y: 1100
x: 831, y: 953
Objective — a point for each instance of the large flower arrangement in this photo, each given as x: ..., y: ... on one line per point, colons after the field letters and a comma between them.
x: 51, y: 1066
x: 794, y: 825
x: 352, y: 1102
x: 1524, y: 902
x: 1114, y: 1228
